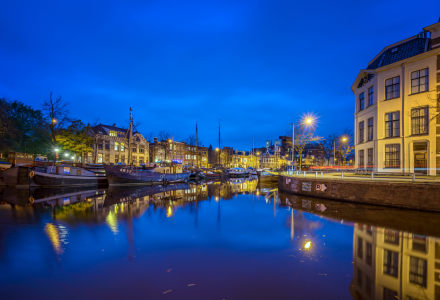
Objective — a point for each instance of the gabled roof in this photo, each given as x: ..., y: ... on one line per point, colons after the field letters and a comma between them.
x: 105, y: 129
x: 398, y: 52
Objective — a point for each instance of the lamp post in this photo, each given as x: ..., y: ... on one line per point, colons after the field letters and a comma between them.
x: 56, y: 155
x: 344, y: 140
x: 307, y: 121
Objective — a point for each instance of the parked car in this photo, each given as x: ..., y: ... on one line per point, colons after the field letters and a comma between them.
x: 121, y: 163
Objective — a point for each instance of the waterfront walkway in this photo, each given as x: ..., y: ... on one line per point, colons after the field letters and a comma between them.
x: 376, y: 177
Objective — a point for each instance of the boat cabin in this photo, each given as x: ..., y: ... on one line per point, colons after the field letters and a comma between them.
x: 21, y: 159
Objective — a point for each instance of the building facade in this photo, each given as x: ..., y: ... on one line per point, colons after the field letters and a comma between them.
x: 391, y: 264
x: 111, y: 146
x: 396, y: 111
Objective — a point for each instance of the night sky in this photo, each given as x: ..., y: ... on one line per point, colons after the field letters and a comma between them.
x: 253, y: 64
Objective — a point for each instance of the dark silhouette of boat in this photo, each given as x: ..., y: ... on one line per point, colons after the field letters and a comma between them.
x: 121, y: 175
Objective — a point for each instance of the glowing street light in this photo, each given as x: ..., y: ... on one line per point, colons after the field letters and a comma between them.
x: 305, y: 120
x: 307, y: 245
x: 54, y: 121
x: 66, y: 154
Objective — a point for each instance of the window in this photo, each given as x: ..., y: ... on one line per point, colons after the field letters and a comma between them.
x: 369, y: 254
x: 359, y: 277
x: 370, y: 96
x: 417, y: 271
x: 389, y: 294
x: 360, y: 248
x: 361, y: 101
x: 100, y: 146
x: 361, y: 132
x: 419, y: 120
x: 419, y: 243
x: 390, y: 263
x: 141, y: 150
x: 392, y: 156
x: 370, y: 158
x: 419, y: 81
x: 370, y: 129
x: 134, y: 149
x: 391, y: 236
x: 107, y: 158
x: 122, y: 147
x: 107, y: 146
x: 392, y: 88
x: 116, y: 146
x: 392, y: 124
x: 112, y: 133
x: 361, y: 159
x: 368, y: 286
x: 99, y: 158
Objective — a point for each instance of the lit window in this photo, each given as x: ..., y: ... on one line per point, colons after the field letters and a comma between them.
x: 392, y: 124
x: 419, y: 120
x: 112, y: 133
x: 419, y: 81
x: 392, y: 88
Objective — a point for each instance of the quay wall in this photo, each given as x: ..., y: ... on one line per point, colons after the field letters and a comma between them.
x: 410, y: 195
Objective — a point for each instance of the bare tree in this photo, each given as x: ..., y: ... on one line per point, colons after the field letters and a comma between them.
x: 346, y: 144
x: 304, y: 135
x: 57, y: 113
x: 96, y: 121
x: 150, y: 137
x: 164, y: 137
x: 329, y: 146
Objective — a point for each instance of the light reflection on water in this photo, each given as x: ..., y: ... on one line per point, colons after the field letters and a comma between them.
x: 233, y: 240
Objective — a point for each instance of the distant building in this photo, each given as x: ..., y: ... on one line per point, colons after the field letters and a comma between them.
x: 268, y: 143
x: 396, y: 110
x: 111, y: 146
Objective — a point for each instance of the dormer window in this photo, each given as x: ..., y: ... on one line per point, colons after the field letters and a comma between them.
x: 394, y: 50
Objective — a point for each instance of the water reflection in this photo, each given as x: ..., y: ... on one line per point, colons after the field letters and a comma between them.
x: 226, y: 240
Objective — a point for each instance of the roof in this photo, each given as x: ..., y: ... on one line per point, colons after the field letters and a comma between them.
x: 105, y: 129
x: 400, y: 52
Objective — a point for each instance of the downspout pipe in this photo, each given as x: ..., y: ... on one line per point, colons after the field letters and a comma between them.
x: 403, y: 118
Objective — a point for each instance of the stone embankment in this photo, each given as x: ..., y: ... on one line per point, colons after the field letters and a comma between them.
x: 410, y: 195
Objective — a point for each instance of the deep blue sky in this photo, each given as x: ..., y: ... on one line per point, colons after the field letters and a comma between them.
x: 253, y: 64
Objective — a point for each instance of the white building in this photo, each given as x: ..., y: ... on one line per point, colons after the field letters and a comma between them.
x: 396, y: 107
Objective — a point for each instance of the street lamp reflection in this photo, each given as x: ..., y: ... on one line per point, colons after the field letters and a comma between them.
x: 307, y: 245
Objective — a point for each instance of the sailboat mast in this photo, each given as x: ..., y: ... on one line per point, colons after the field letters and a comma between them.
x: 197, y: 147
x: 219, y: 149
x: 130, y: 137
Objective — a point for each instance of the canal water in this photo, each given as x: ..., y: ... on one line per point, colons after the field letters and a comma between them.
x: 230, y: 240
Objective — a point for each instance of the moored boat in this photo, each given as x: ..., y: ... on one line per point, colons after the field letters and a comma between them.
x: 57, y: 176
x: 238, y: 173
x: 117, y: 175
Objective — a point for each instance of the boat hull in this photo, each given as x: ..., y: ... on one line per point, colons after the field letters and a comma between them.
x: 133, y: 176
x: 58, y: 180
x: 238, y: 175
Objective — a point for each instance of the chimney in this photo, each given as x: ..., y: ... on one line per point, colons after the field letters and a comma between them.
x: 434, y: 30
x: 155, y: 140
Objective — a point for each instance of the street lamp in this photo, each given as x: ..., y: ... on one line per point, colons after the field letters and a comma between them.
x: 54, y: 121
x: 306, y: 121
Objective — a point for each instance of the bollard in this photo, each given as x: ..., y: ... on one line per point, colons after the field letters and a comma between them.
x: 322, y: 174
x: 316, y: 174
x: 414, y: 177
x: 372, y: 176
x: 342, y: 175
x: 304, y: 173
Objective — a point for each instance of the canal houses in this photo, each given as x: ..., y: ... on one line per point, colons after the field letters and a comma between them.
x: 392, y: 264
x: 396, y: 123
x: 111, y: 146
